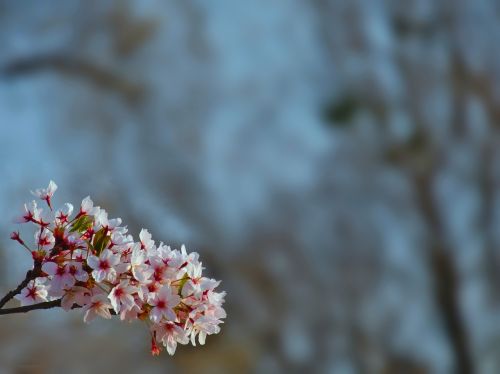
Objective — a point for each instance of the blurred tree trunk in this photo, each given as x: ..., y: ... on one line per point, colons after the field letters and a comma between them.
x: 446, y: 281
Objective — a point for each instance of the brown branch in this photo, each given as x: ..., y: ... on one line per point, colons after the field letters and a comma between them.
x: 447, y: 282
x: 27, y: 308
x: 40, y: 306
x: 99, y: 75
x: 30, y: 275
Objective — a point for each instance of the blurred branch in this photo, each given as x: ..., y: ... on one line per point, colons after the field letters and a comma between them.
x: 99, y: 75
x: 129, y: 32
x: 445, y: 277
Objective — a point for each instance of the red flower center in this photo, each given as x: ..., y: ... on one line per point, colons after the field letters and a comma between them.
x: 32, y: 293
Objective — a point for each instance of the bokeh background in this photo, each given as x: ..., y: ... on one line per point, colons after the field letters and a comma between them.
x: 335, y: 163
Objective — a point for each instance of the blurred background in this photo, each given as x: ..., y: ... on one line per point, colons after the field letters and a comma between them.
x: 335, y: 163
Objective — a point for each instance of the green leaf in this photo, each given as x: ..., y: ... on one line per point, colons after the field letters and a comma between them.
x: 82, y: 224
x: 101, y: 240
x: 183, y: 281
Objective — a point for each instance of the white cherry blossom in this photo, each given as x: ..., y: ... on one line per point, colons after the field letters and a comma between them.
x: 163, y: 303
x: 91, y: 262
x: 104, y: 265
x: 46, y: 193
x: 146, y: 242
x: 121, y: 296
x: 170, y: 334
x: 35, y: 292
x: 75, y: 268
x: 75, y: 296
x: 140, y: 270
x: 61, y: 278
x: 31, y: 213
x: 44, y: 238
x: 62, y: 214
x: 87, y: 207
x: 98, y: 306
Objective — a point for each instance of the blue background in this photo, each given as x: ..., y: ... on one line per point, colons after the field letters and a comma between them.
x: 335, y: 163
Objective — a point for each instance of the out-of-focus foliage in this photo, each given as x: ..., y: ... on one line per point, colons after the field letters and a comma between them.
x: 334, y: 162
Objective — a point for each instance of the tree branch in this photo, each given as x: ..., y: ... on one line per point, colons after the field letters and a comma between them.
x: 27, y: 308
x: 30, y: 275
x: 71, y: 66
x: 41, y: 306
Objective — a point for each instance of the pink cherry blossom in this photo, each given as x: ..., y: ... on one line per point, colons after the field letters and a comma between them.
x: 45, y: 239
x: 146, y: 242
x: 35, y: 292
x: 163, y: 303
x: 91, y: 262
x: 61, y: 216
x: 87, y: 207
x: 99, y: 306
x: 140, y: 270
x: 197, y: 286
x: 46, y: 193
x: 61, y: 277
x: 170, y: 334
x: 121, y: 296
x: 203, y: 326
x: 75, y: 296
x: 31, y: 213
x: 104, y: 265
x: 75, y: 268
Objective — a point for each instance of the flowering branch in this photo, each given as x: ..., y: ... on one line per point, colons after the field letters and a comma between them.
x: 90, y: 262
x: 30, y: 275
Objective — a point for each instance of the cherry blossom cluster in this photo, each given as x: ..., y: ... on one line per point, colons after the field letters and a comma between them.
x: 88, y: 261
